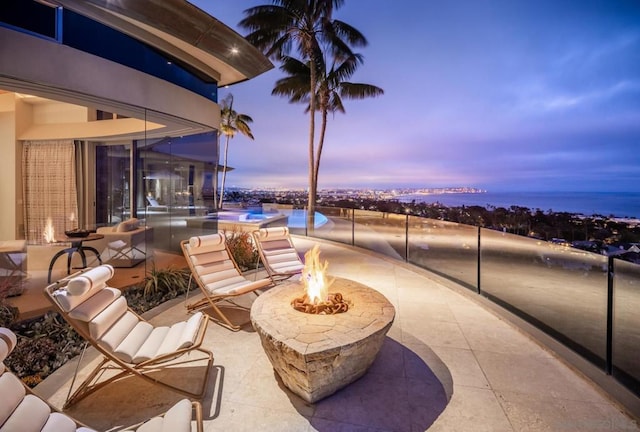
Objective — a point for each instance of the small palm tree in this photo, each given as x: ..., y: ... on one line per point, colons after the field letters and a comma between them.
x: 231, y: 123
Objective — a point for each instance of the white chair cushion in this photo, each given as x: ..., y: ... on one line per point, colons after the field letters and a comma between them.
x: 209, y: 258
x: 152, y: 425
x: 149, y: 348
x: 12, y: 392
x: 181, y: 335
x: 105, y: 319
x: 91, y: 279
x: 224, y: 277
x: 238, y: 286
x: 95, y: 304
x: 9, y: 338
x: 58, y: 422
x: 30, y: 415
x: 208, y: 243
x: 178, y: 418
x: 130, y: 345
x: 116, y: 334
x: 272, y: 233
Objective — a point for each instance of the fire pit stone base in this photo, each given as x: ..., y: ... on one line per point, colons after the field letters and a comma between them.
x: 316, y: 355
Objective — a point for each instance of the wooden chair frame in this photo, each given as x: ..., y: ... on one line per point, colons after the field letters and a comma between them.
x: 275, y: 274
x: 210, y: 300
x: 111, y: 362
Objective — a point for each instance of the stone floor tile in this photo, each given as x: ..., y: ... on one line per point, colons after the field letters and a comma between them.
x: 472, y: 410
x: 434, y: 333
x: 541, y: 414
x: 463, y: 366
x: 535, y: 376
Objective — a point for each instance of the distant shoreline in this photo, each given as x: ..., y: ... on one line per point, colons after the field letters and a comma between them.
x: 610, y: 204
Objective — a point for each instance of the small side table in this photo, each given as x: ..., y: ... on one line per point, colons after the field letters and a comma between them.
x: 76, y: 247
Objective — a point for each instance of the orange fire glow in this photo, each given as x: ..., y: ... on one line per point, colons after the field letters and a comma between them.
x: 49, y: 232
x: 314, y: 277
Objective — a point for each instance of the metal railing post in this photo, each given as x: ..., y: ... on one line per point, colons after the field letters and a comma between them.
x: 478, y: 290
x: 353, y: 227
x: 406, y: 239
x: 609, y: 354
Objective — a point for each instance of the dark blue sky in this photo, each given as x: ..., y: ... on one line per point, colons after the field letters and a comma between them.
x: 502, y: 95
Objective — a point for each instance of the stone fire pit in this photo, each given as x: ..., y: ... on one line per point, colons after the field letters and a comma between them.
x: 316, y: 355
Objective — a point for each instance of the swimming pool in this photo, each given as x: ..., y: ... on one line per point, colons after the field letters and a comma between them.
x: 298, y: 218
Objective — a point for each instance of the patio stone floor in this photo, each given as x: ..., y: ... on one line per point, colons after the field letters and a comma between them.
x: 447, y: 364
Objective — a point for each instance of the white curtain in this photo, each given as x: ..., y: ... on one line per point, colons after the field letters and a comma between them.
x: 49, y: 182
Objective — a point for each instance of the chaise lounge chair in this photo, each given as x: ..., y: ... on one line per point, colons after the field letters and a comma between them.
x: 155, y: 205
x: 128, y: 343
x: 277, y: 253
x: 217, y: 274
x: 21, y: 410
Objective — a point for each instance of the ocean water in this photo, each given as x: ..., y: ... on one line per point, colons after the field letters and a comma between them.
x: 619, y: 204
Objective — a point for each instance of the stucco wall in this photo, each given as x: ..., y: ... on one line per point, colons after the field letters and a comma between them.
x: 97, y: 82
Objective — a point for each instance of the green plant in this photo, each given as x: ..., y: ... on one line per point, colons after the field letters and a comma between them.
x: 166, y: 280
x: 8, y: 313
x: 44, y: 344
x: 241, y: 248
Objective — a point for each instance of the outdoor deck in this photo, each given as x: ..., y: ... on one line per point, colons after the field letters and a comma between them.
x: 448, y: 364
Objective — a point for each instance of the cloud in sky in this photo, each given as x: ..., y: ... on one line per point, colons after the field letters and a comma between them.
x: 500, y: 94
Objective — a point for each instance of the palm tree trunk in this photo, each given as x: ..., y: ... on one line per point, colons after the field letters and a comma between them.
x: 224, y: 171
x: 311, y: 206
x: 323, y: 128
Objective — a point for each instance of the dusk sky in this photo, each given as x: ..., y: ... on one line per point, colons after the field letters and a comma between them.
x: 504, y: 95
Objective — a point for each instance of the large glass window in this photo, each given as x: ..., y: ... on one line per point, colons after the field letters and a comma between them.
x: 177, y: 196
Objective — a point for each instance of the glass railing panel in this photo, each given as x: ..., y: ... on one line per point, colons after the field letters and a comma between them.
x: 560, y: 289
x: 338, y: 225
x: 446, y: 248
x: 380, y: 232
x: 626, y: 324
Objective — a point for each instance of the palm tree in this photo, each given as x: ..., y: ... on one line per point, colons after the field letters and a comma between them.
x: 331, y: 89
x: 307, y: 27
x: 231, y: 123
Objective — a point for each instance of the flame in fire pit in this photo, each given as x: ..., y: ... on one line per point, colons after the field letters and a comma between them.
x: 49, y: 232
x: 316, y: 299
x: 314, y: 276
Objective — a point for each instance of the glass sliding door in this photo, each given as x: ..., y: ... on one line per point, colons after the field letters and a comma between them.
x: 178, y: 187
x: 113, y: 183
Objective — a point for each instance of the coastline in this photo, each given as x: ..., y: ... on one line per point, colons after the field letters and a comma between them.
x: 622, y: 205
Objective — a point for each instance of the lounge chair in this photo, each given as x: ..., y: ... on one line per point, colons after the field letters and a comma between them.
x: 155, y: 205
x: 277, y: 253
x: 128, y: 343
x: 217, y: 274
x: 21, y: 410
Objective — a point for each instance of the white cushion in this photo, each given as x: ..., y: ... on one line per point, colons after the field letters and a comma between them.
x: 105, y: 319
x: 172, y: 339
x: 12, y: 392
x: 149, y: 348
x: 152, y: 425
x: 272, y: 233
x: 58, y: 422
x: 208, y: 243
x: 222, y: 276
x: 238, y: 286
x: 116, y: 334
x: 178, y: 418
x: 9, y: 338
x: 30, y: 415
x: 91, y: 279
x: 130, y: 345
x: 95, y: 304
x: 210, y: 258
